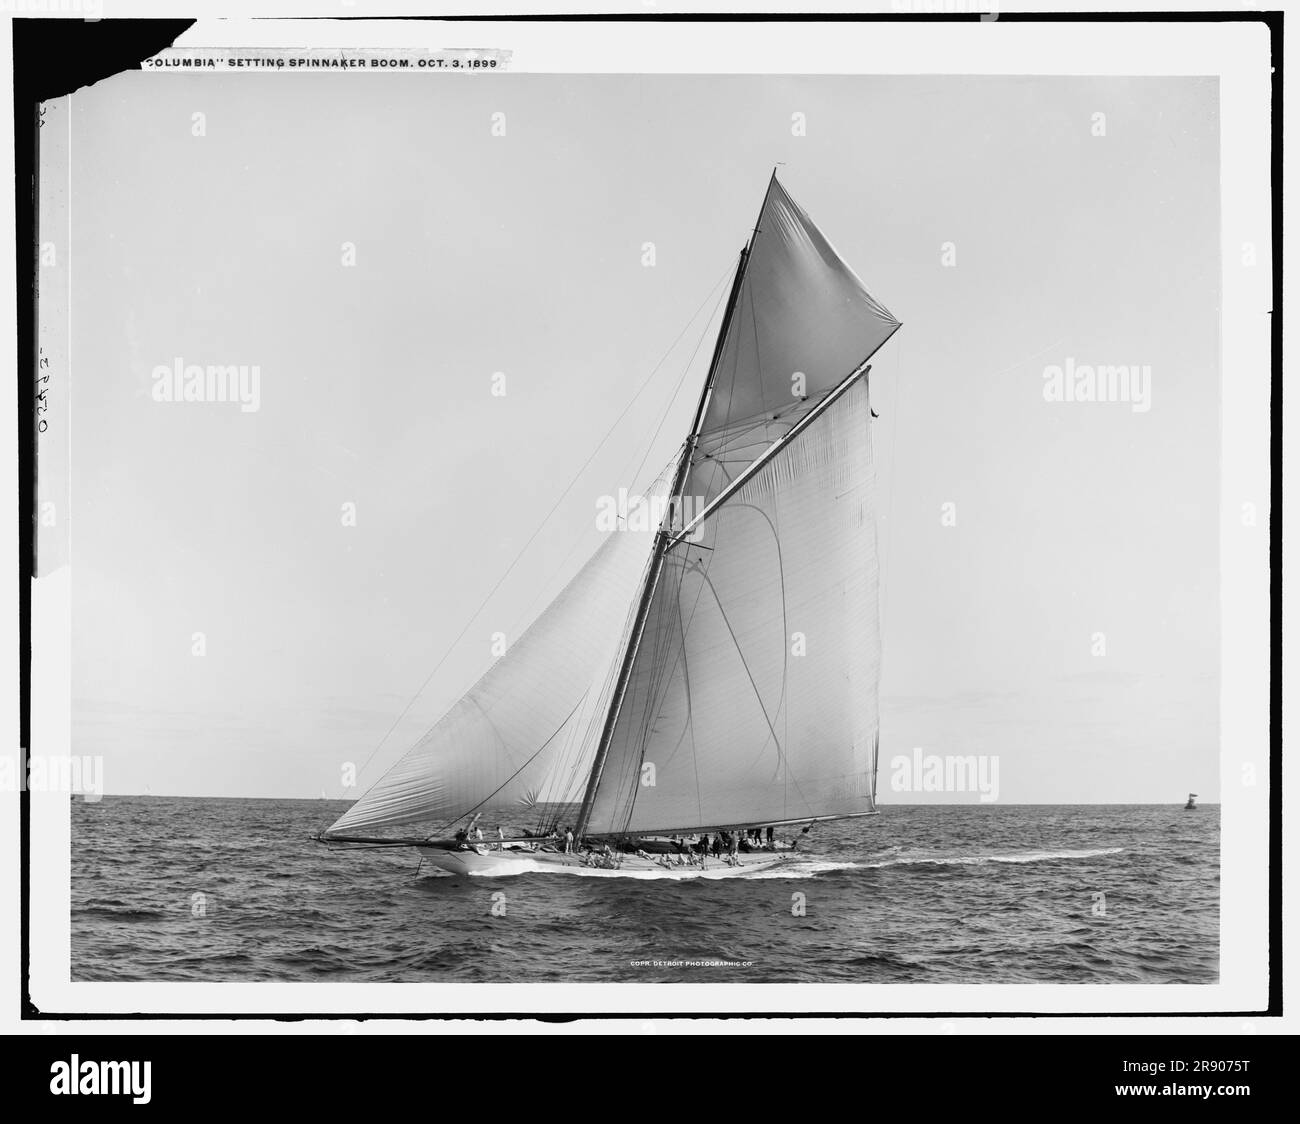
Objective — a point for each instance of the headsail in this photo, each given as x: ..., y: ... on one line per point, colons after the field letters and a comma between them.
x: 525, y: 729
x: 752, y: 696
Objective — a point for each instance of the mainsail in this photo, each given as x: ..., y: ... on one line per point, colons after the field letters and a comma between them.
x: 752, y: 697
x: 727, y: 673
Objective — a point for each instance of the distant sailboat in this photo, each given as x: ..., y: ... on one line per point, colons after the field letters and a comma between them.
x: 1190, y: 806
x: 717, y: 675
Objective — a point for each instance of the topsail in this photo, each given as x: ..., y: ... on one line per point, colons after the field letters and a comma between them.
x: 803, y: 323
x: 722, y: 672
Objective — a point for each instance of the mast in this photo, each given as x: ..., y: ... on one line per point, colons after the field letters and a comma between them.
x: 662, y: 538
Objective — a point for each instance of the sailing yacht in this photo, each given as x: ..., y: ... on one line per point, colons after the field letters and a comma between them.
x: 715, y: 673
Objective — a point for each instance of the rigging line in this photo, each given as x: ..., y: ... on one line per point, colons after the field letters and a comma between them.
x: 655, y: 568
x: 689, y: 728
x: 581, y: 763
x: 775, y: 523
x: 703, y: 571
x: 735, y: 368
x: 569, y: 758
x: 756, y: 425
x: 754, y: 428
x: 776, y: 532
x: 663, y: 672
x: 611, y: 684
x: 516, y: 773
x: 527, y: 614
x: 659, y: 680
x: 742, y: 451
x: 629, y: 764
x: 757, y: 694
x: 630, y: 701
x: 666, y: 672
x: 740, y: 310
x: 603, y: 706
x: 568, y: 488
x: 690, y: 711
x: 758, y: 356
x: 893, y: 477
x: 763, y: 460
x: 663, y: 416
x: 758, y: 436
x: 774, y: 526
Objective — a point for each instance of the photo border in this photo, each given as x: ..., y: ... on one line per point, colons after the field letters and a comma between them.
x: 58, y: 66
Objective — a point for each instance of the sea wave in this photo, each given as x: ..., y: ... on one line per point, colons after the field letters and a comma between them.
x: 919, y: 894
x: 803, y: 867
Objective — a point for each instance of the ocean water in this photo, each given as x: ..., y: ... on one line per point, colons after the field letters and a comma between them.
x: 172, y: 888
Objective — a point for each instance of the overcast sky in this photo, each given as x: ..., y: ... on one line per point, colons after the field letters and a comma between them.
x: 523, y: 254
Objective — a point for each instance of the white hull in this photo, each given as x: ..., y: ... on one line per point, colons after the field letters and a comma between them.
x: 485, y: 863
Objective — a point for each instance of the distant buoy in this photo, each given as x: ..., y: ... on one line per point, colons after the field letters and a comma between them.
x: 1190, y: 806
